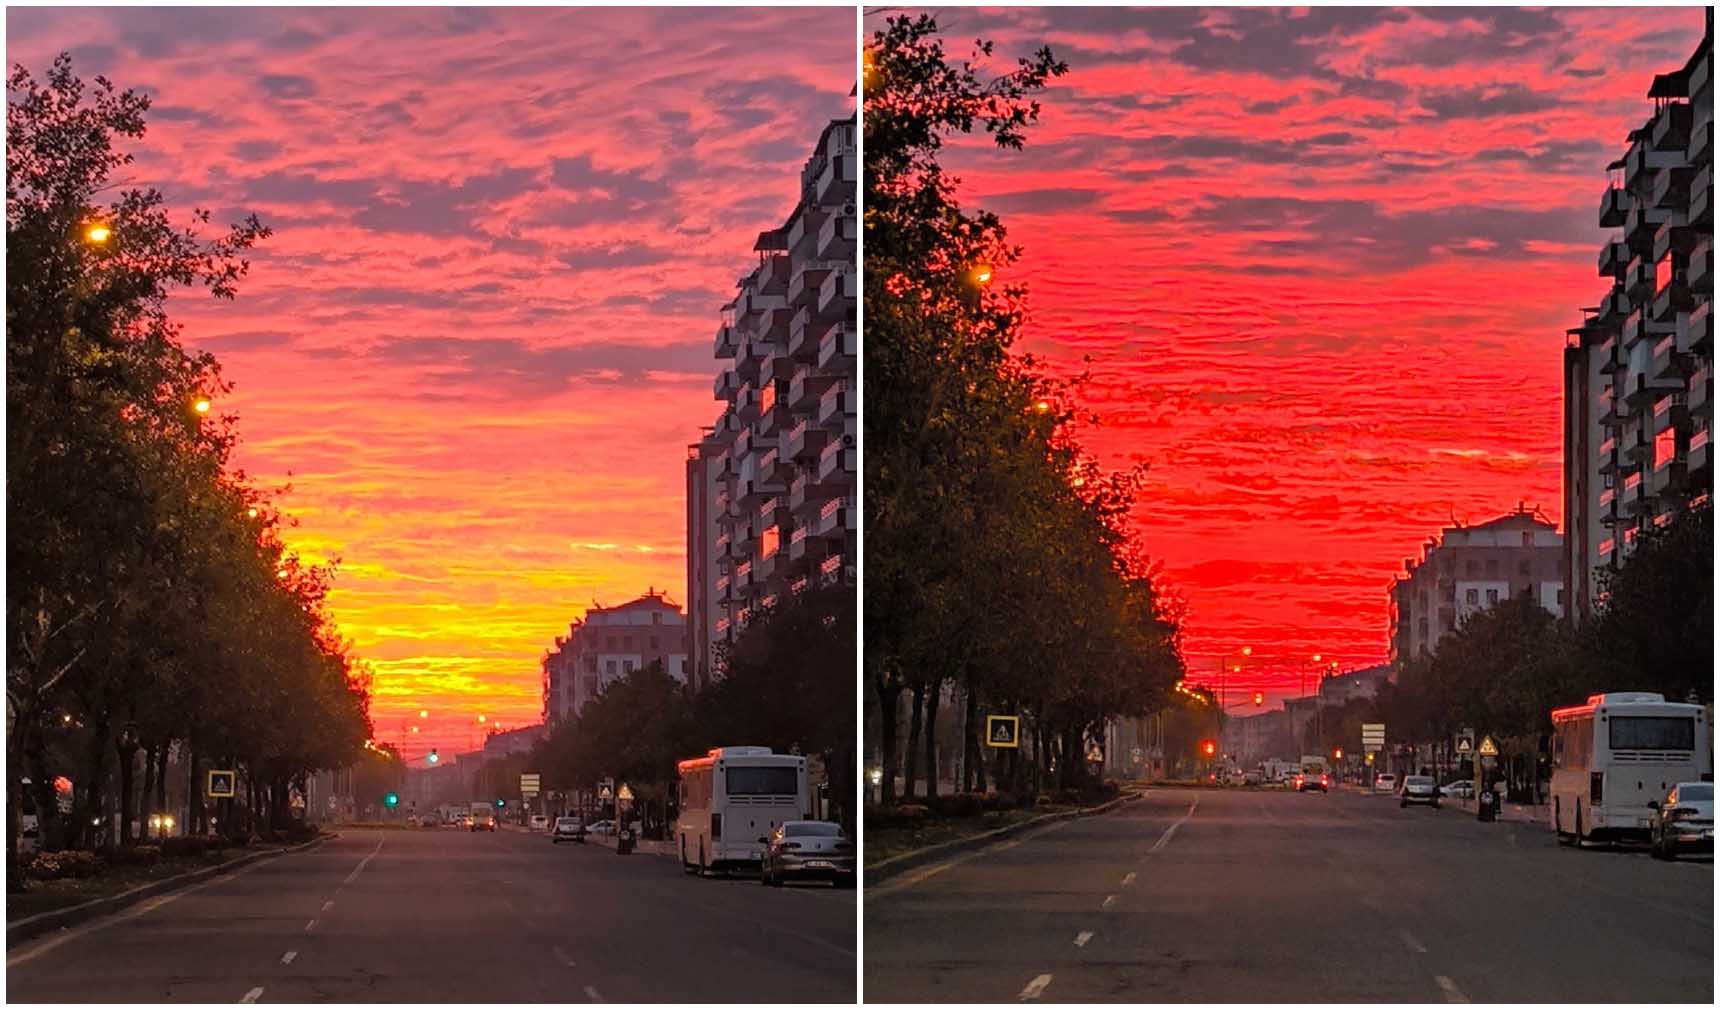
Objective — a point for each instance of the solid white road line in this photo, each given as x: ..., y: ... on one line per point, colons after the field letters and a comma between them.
x: 1128, y: 878
x: 1411, y: 942
x: 1034, y: 988
x: 909, y: 879
x: 562, y: 956
x: 1110, y: 899
x: 1082, y: 937
x: 1171, y: 831
x: 593, y: 995
x: 1452, y: 993
x: 251, y: 997
x: 287, y: 958
x: 30, y: 953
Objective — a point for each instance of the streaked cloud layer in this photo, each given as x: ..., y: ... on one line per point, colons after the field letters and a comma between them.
x: 1322, y: 262
x: 480, y: 339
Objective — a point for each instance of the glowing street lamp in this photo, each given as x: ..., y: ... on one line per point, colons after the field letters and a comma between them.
x: 423, y: 714
x: 98, y: 233
x: 251, y: 512
x: 201, y: 406
x: 981, y: 274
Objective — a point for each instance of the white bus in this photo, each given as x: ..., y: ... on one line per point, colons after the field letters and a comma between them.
x: 731, y: 799
x: 1617, y: 752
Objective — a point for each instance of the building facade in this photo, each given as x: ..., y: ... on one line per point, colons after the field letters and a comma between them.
x: 609, y: 643
x: 1639, y: 370
x: 1469, y: 568
x: 771, y: 490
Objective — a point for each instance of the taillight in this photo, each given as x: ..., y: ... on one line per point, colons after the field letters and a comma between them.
x: 1595, y: 787
x: 1324, y: 780
x: 716, y: 825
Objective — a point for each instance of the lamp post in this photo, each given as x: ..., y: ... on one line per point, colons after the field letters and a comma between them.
x: 127, y: 745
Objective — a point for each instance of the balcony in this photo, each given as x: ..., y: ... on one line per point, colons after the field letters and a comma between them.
x: 836, y: 458
x: 1636, y: 449
x: 1670, y: 130
x: 836, y: 406
x: 1667, y: 478
x: 1671, y: 188
x: 765, y: 566
x: 1672, y: 233
x: 1671, y: 411
x: 1701, y: 196
x: 808, y: 279
x: 1699, y: 271
x: 835, y: 518
x: 836, y: 184
x: 774, y: 466
x: 1614, y: 307
x: 803, y: 233
x: 1667, y: 363
x: 770, y: 422
x: 1630, y: 493
x: 1614, y: 255
x: 836, y: 238
x: 1615, y: 205
x: 1643, y: 222
x: 806, y: 387
x: 1696, y: 329
x: 804, y: 442
x: 1606, y: 450
x: 1671, y: 300
x: 1701, y: 135
x: 1696, y: 392
x: 1607, y: 496
x: 836, y: 295
x: 1696, y: 457
x: 726, y: 385
x: 831, y: 571
x: 836, y: 350
x: 728, y: 428
x: 725, y: 342
x: 1639, y: 278
x: 803, y: 333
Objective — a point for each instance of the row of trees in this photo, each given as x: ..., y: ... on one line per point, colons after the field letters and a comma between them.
x: 1504, y: 669
x: 787, y: 683
x: 999, y: 569
x: 151, y: 606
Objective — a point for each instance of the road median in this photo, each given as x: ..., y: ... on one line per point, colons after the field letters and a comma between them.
x: 884, y: 869
x: 30, y: 927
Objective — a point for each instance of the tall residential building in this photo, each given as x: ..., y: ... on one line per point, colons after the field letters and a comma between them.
x: 776, y: 476
x: 1639, y: 370
x: 609, y: 643
x: 1470, y: 568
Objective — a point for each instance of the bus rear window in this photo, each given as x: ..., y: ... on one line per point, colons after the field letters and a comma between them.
x: 762, y: 781
x: 1649, y: 732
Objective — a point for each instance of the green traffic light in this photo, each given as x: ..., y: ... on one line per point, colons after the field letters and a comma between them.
x: 392, y: 800
x: 501, y: 803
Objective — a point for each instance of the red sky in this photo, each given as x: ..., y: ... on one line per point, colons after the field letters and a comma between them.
x: 1323, y: 263
x: 480, y: 339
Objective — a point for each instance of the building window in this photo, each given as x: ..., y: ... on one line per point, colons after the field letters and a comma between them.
x: 656, y: 617
x: 653, y: 643
x: 611, y: 641
x: 1492, y: 568
x: 1472, y: 597
x: 1472, y: 569
x: 1561, y: 597
x: 609, y: 667
x: 1523, y: 567
x: 627, y: 666
x: 1492, y: 596
x: 627, y: 641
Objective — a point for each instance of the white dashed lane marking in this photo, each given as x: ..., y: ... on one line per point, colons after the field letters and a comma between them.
x: 593, y: 995
x: 1110, y: 899
x: 1452, y: 993
x: 1411, y: 942
x: 562, y: 956
x: 251, y: 997
x: 287, y: 958
x: 1082, y: 937
x: 1128, y: 878
x: 1035, y: 987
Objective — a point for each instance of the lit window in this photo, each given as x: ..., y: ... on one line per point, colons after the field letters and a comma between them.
x: 1492, y: 596
x: 1472, y: 597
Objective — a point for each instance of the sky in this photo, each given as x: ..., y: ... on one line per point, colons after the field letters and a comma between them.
x: 1322, y: 262
x: 480, y: 339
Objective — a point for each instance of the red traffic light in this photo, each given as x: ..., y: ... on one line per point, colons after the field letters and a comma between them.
x: 1338, y: 753
x: 1260, y: 697
x: 1208, y: 747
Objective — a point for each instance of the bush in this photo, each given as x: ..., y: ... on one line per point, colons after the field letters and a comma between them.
x: 187, y: 847
x: 960, y: 805
x: 63, y: 865
x: 1002, y: 801
x: 1042, y: 800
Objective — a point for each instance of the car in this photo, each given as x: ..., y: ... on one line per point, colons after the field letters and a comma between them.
x: 482, y: 822
x: 1253, y: 779
x: 1462, y: 789
x: 603, y: 827
x: 567, y: 829
x: 807, y: 850
x: 1387, y: 783
x: 1683, y: 821
x: 1308, y: 782
x: 539, y: 822
x: 412, y: 820
x: 1418, y: 789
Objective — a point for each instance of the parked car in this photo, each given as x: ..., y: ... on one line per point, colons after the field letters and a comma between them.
x: 1387, y: 783
x: 807, y: 850
x: 568, y: 829
x: 1462, y: 789
x: 1683, y: 821
x: 1418, y: 789
x: 539, y: 822
x: 1308, y: 782
x: 483, y: 822
x: 1253, y: 778
x: 603, y: 827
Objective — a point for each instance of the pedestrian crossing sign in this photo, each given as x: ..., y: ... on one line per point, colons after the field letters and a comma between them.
x: 1003, y: 731
x: 1463, y: 745
x: 221, y: 784
x: 1488, y: 747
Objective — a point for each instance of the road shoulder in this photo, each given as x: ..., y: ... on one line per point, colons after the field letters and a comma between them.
x: 887, y: 868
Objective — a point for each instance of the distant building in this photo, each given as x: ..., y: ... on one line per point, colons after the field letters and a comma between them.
x: 1469, y: 568
x: 609, y: 643
x: 770, y: 491
x: 513, y: 741
x: 1344, y: 688
x: 1639, y: 370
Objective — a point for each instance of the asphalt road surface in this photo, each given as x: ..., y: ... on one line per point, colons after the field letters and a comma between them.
x: 438, y: 915
x: 1246, y: 896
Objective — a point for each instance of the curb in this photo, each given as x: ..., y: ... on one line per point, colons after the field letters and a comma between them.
x: 608, y: 842
x: 44, y: 922
x: 887, y: 868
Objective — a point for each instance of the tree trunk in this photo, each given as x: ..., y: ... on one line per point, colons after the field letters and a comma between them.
x: 912, y: 770
x: 931, y: 735
x: 127, y: 769
x: 143, y: 805
x: 193, y: 797
x: 15, y: 807
x: 96, y: 773
x: 971, y: 768
x: 887, y: 696
x: 161, y: 782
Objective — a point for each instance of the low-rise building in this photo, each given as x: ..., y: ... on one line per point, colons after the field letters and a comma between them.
x: 609, y: 643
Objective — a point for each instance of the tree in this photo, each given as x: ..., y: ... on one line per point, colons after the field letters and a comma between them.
x: 1654, y: 629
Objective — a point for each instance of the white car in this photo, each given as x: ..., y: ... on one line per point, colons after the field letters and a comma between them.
x: 1462, y: 789
x: 1386, y: 783
x: 1683, y: 821
x: 1419, y: 789
x: 540, y: 822
x: 601, y: 828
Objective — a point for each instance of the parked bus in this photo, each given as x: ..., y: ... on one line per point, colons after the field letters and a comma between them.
x: 1614, y: 754
x: 731, y: 800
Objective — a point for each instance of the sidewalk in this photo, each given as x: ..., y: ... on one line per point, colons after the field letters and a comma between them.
x: 1525, y: 813
x: 643, y: 847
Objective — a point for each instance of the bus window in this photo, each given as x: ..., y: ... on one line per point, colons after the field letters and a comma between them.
x: 1648, y: 732
x: 763, y: 781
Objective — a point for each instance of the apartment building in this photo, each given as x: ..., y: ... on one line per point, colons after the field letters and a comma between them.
x: 1639, y: 370
x: 1470, y: 568
x: 771, y: 489
x: 609, y: 643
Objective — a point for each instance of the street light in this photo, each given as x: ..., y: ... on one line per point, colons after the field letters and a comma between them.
x: 97, y: 232
x: 422, y: 714
x: 201, y: 406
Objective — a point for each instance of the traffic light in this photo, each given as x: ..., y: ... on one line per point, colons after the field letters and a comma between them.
x: 1338, y: 753
x: 432, y: 758
x: 1260, y: 697
x: 1208, y: 747
x: 501, y: 803
x: 392, y: 799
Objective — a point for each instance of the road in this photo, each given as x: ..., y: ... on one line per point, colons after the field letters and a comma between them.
x: 1246, y: 896
x: 450, y: 916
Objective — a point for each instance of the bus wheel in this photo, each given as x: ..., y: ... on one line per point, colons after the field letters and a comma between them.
x: 702, y: 870
x: 1582, y: 836
x: 686, y: 867
x: 1559, y: 832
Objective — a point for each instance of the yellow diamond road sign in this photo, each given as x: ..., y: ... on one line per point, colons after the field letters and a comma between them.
x: 1488, y: 747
